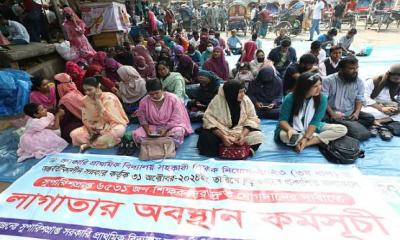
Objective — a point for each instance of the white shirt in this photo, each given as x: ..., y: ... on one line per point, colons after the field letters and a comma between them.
x: 318, y: 7
x: 253, y: 13
x: 322, y: 67
x: 194, y: 43
x: 18, y: 31
x: 346, y: 42
x: 321, y: 55
x: 383, y: 96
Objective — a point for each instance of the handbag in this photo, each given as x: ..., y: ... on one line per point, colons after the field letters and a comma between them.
x: 345, y: 150
x: 157, y: 148
x: 234, y: 152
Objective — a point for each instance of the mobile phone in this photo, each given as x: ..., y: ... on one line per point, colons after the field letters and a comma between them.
x: 293, y: 140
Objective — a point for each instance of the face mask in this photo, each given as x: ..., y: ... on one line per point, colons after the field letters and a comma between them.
x: 211, y: 36
x: 260, y: 59
x: 158, y: 100
x: 210, y: 49
x: 158, y: 49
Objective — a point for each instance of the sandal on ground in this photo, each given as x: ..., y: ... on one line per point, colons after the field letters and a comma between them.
x: 122, y: 147
x: 130, y: 149
x: 83, y: 148
x: 374, y: 130
x: 385, y: 133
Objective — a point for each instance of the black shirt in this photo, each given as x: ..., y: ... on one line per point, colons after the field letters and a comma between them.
x: 339, y: 10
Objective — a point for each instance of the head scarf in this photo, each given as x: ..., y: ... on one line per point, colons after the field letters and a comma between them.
x: 76, y: 72
x: 380, y: 84
x: 151, y: 45
x: 100, y: 58
x: 250, y: 48
x: 142, y: 67
x: 267, y: 87
x: 207, y: 92
x: 231, y: 92
x: 218, y: 65
x: 132, y: 85
x: 93, y: 69
x: 178, y: 49
x: 70, y: 97
x: 111, y: 67
x: 69, y: 11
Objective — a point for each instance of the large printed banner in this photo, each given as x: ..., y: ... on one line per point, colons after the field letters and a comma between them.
x: 105, y: 17
x: 72, y: 196
x: 389, y: 189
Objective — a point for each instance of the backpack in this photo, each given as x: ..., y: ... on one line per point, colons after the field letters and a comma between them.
x: 345, y: 150
x: 394, y: 127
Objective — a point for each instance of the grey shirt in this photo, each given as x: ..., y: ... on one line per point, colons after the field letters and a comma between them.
x: 342, y: 96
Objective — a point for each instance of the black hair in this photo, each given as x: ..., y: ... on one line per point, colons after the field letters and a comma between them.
x: 217, y: 34
x: 2, y: 18
x: 36, y: 82
x: 333, y: 32
x: 136, y: 40
x: 258, y: 51
x: 254, y: 36
x: 204, y: 29
x: 286, y: 42
x: 91, y: 81
x: 347, y: 61
x: 164, y: 63
x: 211, y: 31
x: 353, y: 30
x: 303, y: 85
x: 308, y: 58
x: 31, y: 109
x: 260, y: 7
x: 154, y: 85
x: 334, y: 48
x: 315, y: 45
x: 195, y: 32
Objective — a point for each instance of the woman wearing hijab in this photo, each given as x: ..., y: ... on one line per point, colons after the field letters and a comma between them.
x: 111, y: 67
x: 259, y: 62
x: 173, y: 82
x: 217, y: 64
x: 380, y: 95
x: 100, y: 58
x: 75, y: 29
x: 229, y: 119
x: 207, y: 53
x: 266, y: 93
x: 185, y: 66
x: 162, y: 112
x: 194, y: 54
x: 249, y: 50
x: 140, y: 51
x: 202, y: 96
x: 132, y: 87
x: 43, y: 93
x: 75, y: 72
x: 71, y: 103
x: 147, y: 72
x: 94, y: 70
x: 301, y: 115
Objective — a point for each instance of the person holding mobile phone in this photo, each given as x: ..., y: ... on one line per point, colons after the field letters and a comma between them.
x: 300, y: 120
x: 266, y: 93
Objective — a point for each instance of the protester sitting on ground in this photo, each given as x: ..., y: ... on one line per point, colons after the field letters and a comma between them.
x: 157, y: 51
x: 259, y: 62
x: 283, y: 56
x: 346, y: 41
x: 345, y: 91
x: 229, y: 119
x: 111, y: 67
x: 122, y: 56
x: 163, y: 113
x: 217, y: 64
x: 41, y: 136
x: 75, y: 72
x: 43, y: 93
x: 103, y: 118
x: 203, y: 40
x: 207, y: 53
x: 100, y: 58
x: 317, y: 51
x: 212, y: 38
x: 186, y: 67
x: 328, y: 39
x: 221, y: 41
x: 194, y: 54
x: 282, y: 35
x: 132, y: 88
x: 330, y: 65
x: 140, y: 50
x: 381, y: 96
x: 173, y: 82
x: 266, y: 93
x: 195, y: 40
x: 234, y: 44
x: 244, y: 74
x: 71, y: 101
x: 165, y: 56
x: 95, y: 70
x: 249, y: 50
x: 200, y: 97
x: 17, y: 32
x: 300, y: 120
x: 307, y: 63
x: 146, y: 71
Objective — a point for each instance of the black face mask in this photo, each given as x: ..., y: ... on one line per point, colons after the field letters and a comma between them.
x: 260, y: 59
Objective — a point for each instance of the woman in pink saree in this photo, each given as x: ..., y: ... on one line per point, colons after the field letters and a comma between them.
x: 162, y: 112
x: 103, y: 118
x: 75, y: 29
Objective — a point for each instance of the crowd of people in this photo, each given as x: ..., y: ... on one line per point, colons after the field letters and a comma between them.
x: 165, y: 81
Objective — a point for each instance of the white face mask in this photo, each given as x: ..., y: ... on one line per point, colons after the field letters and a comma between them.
x: 211, y: 36
x: 210, y: 49
x: 158, y: 100
x: 158, y: 49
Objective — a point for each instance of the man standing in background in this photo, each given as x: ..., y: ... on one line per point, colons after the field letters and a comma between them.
x: 317, y: 13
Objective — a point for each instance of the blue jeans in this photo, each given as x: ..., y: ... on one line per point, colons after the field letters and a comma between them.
x: 314, y: 27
